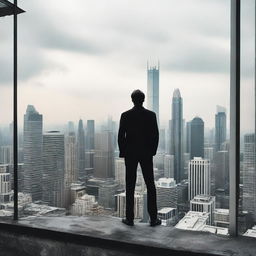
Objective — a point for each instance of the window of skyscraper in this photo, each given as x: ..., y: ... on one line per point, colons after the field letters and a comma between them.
x: 77, y: 68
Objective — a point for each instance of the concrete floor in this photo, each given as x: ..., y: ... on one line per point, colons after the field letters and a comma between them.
x: 112, y: 229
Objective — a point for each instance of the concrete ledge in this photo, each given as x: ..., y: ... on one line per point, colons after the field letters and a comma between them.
x: 108, y: 236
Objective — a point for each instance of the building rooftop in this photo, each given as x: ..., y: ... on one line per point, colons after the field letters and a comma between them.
x: 7, y: 8
x: 193, y: 221
x: 166, y: 210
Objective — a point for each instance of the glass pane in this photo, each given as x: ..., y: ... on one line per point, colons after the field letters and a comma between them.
x: 76, y: 80
x: 6, y: 117
x: 247, y: 206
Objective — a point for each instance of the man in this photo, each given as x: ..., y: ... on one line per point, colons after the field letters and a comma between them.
x: 138, y: 140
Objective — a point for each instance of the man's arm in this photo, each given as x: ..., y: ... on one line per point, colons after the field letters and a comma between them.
x: 155, y: 133
x: 122, y: 136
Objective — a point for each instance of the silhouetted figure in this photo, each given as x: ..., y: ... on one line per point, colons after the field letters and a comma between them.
x: 138, y: 140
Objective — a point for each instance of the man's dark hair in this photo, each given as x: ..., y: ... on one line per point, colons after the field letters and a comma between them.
x: 138, y: 97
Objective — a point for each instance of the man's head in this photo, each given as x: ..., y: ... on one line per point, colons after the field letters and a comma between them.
x: 138, y: 97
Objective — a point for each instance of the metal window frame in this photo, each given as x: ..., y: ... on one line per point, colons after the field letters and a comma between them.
x: 234, y: 152
x: 234, y: 112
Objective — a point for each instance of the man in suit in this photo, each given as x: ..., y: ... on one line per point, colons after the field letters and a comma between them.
x: 138, y: 140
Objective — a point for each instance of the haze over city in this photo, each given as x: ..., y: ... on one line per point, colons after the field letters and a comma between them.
x: 83, y: 60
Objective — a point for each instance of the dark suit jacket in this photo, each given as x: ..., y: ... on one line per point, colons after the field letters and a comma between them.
x: 138, y: 133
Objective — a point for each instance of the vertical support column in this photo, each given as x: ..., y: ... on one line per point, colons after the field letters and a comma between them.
x: 234, y: 163
x: 15, y: 115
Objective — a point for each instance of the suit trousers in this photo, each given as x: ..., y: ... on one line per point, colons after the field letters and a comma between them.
x: 131, y: 164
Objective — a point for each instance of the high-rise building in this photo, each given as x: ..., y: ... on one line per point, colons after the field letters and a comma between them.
x: 6, y: 154
x: 188, y: 137
x: 209, y: 153
x: 220, y: 127
x: 199, y: 177
x: 204, y: 203
x: 138, y: 205
x: 162, y: 144
x: 5, y: 184
x: 81, y: 150
x: 169, y: 166
x: 120, y: 172
x: 221, y: 170
x: 197, y: 138
x: 107, y: 192
x: 177, y: 135
x: 53, y: 168
x: 104, y: 155
x: 90, y: 135
x: 153, y: 89
x: 32, y: 146
x: 249, y: 175
x: 71, y: 170
x: 167, y: 193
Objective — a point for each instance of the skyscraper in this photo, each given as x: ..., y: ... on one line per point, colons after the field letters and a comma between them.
x: 53, y: 168
x: 153, y: 89
x: 81, y: 150
x: 167, y: 193
x: 249, y: 175
x: 197, y: 138
x: 176, y: 147
x: 71, y: 171
x: 199, y: 177
x: 104, y: 155
x: 221, y: 170
x: 220, y: 127
x: 33, y: 137
x: 90, y: 134
x: 168, y: 166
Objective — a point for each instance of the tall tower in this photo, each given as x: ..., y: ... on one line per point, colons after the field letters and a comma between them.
x: 153, y: 89
x: 249, y: 175
x: 81, y: 150
x: 197, y: 138
x: 90, y: 135
x: 176, y: 147
x: 220, y: 127
x: 33, y: 139
x: 104, y: 155
x: 198, y: 177
x: 53, y: 168
x: 71, y: 171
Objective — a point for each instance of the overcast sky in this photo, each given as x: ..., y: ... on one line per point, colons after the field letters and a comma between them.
x: 82, y: 59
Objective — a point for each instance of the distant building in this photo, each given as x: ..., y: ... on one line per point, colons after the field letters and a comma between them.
x: 220, y: 127
x: 90, y: 135
x: 167, y: 193
x: 104, y: 155
x: 53, y: 168
x: 199, y: 177
x: 221, y: 218
x: 138, y: 205
x: 209, y: 153
x: 221, y: 170
x: 176, y: 140
x: 249, y: 175
x: 195, y: 221
x: 169, y: 166
x: 120, y: 172
x: 153, y: 89
x: 204, y: 203
x: 81, y: 151
x: 107, y: 192
x: 5, y: 185
x: 83, y: 205
x: 168, y: 216
x: 197, y: 138
x: 32, y: 146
